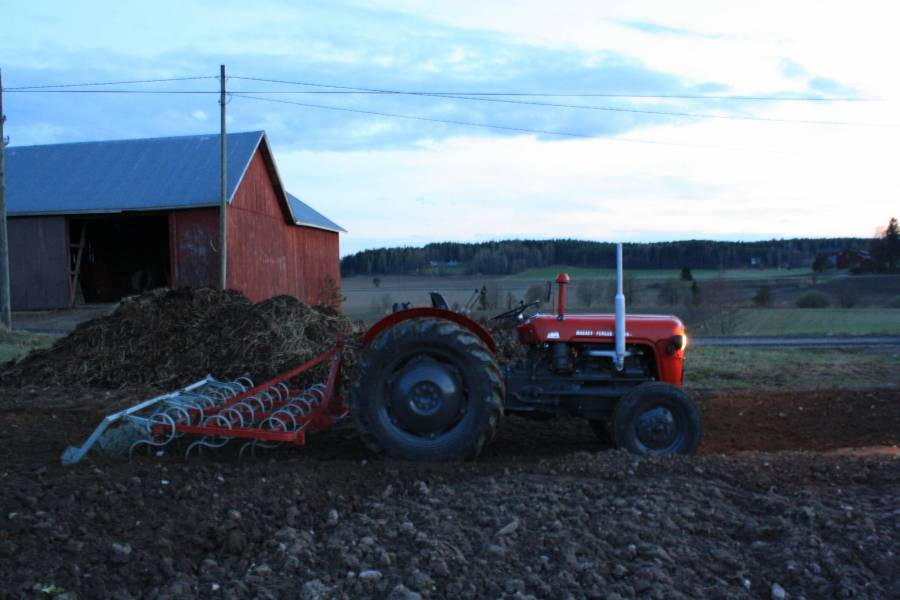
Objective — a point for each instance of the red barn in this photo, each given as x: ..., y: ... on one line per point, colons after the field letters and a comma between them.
x: 96, y: 221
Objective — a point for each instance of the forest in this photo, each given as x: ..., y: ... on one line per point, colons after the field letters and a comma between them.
x: 513, y: 256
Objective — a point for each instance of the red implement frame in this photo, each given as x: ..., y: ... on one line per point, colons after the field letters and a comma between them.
x: 321, y: 417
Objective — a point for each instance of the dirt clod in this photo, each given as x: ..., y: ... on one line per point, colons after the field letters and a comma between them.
x: 778, y: 592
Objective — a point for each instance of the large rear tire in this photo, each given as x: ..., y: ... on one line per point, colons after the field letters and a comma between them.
x: 428, y: 389
x: 657, y: 418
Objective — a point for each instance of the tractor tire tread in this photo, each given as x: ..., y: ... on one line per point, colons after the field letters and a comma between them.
x: 485, y: 427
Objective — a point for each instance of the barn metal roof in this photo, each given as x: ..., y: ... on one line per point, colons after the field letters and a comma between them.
x: 304, y: 214
x: 134, y: 175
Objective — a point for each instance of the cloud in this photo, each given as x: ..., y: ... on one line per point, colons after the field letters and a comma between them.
x: 318, y: 125
x: 830, y: 87
x: 371, y: 173
x: 792, y: 69
x: 656, y: 28
x: 379, y: 49
x: 603, y: 189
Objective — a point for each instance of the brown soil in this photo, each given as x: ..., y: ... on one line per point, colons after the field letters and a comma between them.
x: 547, y: 512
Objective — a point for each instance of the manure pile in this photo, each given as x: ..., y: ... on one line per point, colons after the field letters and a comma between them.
x: 509, y: 349
x: 171, y: 338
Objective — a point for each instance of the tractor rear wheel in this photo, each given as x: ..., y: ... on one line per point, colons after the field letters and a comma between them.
x: 427, y: 389
x: 657, y: 418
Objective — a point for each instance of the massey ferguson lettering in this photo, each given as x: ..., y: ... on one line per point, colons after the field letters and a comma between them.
x: 598, y: 333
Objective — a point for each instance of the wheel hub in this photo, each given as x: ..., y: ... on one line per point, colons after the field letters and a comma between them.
x: 656, y: 428
x: 426, y: 398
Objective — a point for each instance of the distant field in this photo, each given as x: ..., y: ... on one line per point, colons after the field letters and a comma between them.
x: 708, y: 368
x: 817, y: 321
x: 544, y: 273
x: 731, y: 299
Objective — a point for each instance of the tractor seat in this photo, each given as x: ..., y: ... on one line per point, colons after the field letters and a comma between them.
x: 437, y: 301
x: 398, y: 306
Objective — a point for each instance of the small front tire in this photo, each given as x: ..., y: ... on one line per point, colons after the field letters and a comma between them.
x: 657, y: 418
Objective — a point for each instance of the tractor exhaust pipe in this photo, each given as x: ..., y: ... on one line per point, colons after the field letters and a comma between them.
x: 620, y: 312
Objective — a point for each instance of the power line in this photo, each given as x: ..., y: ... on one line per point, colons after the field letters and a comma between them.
x: 485, y: 99
x: 670, y: 113
x: 597, y: 108
x: 340, y: 89
x: 43, y: 91
x: 500, y: 127
x: 99, y: 83
x: 473, y: 96
x: 362, y: 90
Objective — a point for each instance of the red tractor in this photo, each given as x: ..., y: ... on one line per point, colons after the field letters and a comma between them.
x: 430, y: 386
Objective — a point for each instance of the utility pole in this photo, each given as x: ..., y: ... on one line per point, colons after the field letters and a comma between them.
x: 5, y: 308
x: 223, y: 206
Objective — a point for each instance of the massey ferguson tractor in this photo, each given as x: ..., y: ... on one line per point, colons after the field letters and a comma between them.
x: 429, y: 388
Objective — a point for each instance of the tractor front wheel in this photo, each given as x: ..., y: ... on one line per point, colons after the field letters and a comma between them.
x: 657, y: 418
x: 427, y: 389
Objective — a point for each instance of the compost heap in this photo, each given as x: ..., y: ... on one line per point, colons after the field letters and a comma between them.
x: 509, y: 349
x: 168, y: 339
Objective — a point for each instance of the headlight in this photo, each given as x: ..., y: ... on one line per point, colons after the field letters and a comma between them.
x: 678, y: 342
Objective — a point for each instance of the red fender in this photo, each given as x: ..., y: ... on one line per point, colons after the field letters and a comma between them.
x: 438, y: 313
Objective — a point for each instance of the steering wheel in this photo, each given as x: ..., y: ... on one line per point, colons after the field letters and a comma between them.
x: 516, y: 312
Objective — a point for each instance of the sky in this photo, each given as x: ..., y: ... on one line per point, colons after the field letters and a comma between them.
x: 721, y: 168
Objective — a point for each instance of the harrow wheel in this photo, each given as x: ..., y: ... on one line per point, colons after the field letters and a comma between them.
x: 427, y: 389
x: 656, y: 418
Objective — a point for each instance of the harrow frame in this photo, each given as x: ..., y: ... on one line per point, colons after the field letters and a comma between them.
x: 217, y: 411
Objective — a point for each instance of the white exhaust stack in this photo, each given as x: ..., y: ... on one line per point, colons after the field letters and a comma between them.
x: 620, y: 312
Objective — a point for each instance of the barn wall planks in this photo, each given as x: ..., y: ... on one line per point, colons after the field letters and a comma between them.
x: 267, y: 254
x: 193, y: 244
x: 320, y: 263
x: 38, y: 263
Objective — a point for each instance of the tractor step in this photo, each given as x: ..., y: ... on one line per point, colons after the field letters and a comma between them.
x: 217, y: 412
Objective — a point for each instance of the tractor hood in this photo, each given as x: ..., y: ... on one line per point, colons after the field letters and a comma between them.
x: 599, y: 328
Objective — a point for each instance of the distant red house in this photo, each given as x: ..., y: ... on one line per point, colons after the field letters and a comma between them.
x: 857, y: 261
x: 144, y: 213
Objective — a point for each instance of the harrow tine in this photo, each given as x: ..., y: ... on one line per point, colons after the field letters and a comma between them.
x: 212, y: 441
x: 265, y: 415
x: 251, y: 445
x: 157, y: 419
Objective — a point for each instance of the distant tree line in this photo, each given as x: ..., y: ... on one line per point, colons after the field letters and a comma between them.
x: 886, y: 248
x: 883, y: 255
x: 513, y: 256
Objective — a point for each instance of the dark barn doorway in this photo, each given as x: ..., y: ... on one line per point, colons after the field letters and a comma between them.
x: 120, y: 256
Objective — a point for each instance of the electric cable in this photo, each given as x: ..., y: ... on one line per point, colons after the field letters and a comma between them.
x: 360, y: 90
x: 99, y: 83
x: 501, y: 127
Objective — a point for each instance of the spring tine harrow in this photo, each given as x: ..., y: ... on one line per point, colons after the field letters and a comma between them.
x: 215, y: 411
